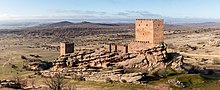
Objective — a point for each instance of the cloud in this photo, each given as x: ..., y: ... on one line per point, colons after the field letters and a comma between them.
x: 122, y: 14
x: 145, y: 14
x: 82, y: 14
x: 136, y: 14
x: 79, y: 12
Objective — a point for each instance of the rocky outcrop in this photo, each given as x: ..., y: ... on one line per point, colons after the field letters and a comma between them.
x: 215, y: 43
x: 88, y: 64
x: 187, y: 47
x: 177, y: 83
x: 97, y: 75
x: 151, y: 58
x: 175, y: 61
x: 147, y: 58
x: 36, y: 64
x: 91, y: 58
x: 10, y: 84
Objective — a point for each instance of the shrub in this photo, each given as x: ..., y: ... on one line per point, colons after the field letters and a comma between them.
x: 23, y: 57
x: 55, y: 83
x: 109, y: 80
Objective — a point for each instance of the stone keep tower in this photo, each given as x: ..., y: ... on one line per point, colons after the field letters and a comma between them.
x: 149, y: 30
x: 66, y: 47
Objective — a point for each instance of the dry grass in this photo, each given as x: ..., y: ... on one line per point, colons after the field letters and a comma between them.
x: 13, y: 46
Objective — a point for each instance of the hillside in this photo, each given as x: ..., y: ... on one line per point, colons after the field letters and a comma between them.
x: 70, y: 29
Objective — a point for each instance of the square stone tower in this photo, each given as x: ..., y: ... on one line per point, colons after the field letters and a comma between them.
x: 66, y: 48
x: 149, y: 30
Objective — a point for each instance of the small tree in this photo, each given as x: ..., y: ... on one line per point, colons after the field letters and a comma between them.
x: 56, y: 83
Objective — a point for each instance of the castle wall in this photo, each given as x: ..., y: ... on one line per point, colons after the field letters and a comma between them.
x: 122, y: 48
x: 135, y: 46
x: 158, y: 31
x: 66, y: 48
x: 112, y: 47
x: 144, y: 30
x: 62, y: 48
x: 107, y: 47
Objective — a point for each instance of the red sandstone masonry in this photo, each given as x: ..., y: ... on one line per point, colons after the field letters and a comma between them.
x: 150, y: 30
x: 66, y: 48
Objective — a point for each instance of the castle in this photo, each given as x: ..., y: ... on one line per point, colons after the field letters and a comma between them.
x: 148, y: 33
x: 146, y: 51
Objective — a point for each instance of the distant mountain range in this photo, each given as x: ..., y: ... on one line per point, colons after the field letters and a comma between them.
x: 201, y: 25
x: 85, y: 24
x: 67, y: 23
x: 167, y: 26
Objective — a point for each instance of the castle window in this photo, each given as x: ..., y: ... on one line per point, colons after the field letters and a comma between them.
x: 146, y: 24
x: 158, y: 24
x: 139, y: 24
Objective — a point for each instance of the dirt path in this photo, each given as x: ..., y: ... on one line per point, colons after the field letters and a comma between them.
x: 6, y: 62
x: 9, y: 59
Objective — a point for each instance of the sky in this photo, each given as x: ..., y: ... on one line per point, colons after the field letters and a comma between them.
x: 25, y: 10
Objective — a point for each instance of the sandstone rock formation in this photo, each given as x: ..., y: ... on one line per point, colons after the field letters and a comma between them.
x: 10, y: 84
x: 36, y: 64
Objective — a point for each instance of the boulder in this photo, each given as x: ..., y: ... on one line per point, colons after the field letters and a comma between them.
x: 177, y: 83
x: 36, y: 65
